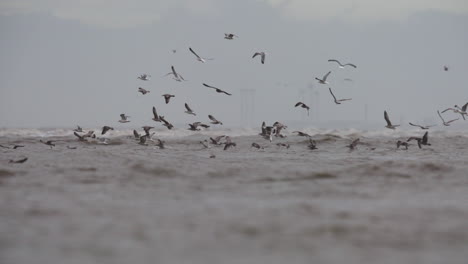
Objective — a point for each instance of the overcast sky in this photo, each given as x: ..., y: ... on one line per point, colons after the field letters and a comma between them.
x: 65, y: 63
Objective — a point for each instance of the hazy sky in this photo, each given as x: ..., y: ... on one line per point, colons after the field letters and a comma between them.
x: 76, y: 62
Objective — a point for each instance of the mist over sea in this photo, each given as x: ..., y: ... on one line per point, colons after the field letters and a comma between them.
x: 121, y: 202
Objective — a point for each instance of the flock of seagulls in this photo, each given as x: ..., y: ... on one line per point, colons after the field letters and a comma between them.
x: 267, y: 132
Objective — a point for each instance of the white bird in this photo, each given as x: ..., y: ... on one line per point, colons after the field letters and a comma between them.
x: 176, y: 76
x: 443, y: 121
x: 334, y: 98
x: 144, y: 77
x: 389, y: 124
x: 324, y: 79
x: 420, y: 126
x: 230, y: 36
x: 341, y: 66
x: 458, y: 110
x: 189, y: 111
x: 262, y: 54
x: 198, y: 57
x: 214, y: 120
x: 123, y: 118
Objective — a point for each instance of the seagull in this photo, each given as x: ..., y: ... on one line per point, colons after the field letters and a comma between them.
x: 19, y: 161
x: 324, y: 79
x: 458, y: 110
x: 198, y: 57
x: 353, y: 144
x: 176, y: 75
x: 279, y: 127
x: 257, y: 146
x: 448, y: 122
x: 301, y: 134
x: 189, y: 111
x: 217, y: 89
x: 143, y: 140
x: 230, y: 36
x: 160, y: 144
x: 48, y: 143
x: 342, y: 65
x: 446, y: 68
x: 167, y: 97
x: 262, y: 54
x: 301, y: 104
x: 144, y: 77
x: 214, y: 120
x: 194, y: 126
x: 334, y: 98
x: 421, y: 141
x: 80, y: 137
x: 136, y: 134
x: 389, y: 124
x: 105, y: 129
x: 216, y: 140
x: 78, y: 129
x: 156, y: 117
x: 166, y: 123
x: 143, y: 91
x: 229, y: 143
x: 402, y: 143
x: 147, y: 131
x: 123, y: 118
x: 422, y: 127
x: 312, y: 144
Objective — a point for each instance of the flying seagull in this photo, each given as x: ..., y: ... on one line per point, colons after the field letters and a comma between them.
x: 23, y: 160
x: 214, y: 120
x: 324, y: 79
x: 105, y: 129
x: 80, y: 137
x: 458, y: 110
x: 142, y: 91
x: 334, y: 98
x: 389, y: 124
x: 420, y: 126
x: 189, y: 111
x: 230, y: 36
x: 147, y: 130
x: 176, y: 76
x: 216, y: 89
x: 198, y: 57
x: 166, y: 123
x: 443, y: 121
x: 301, y: 104
x: 167, y: 97
x: 421, y: 141
x: 144, y: 77
x: 48, y: 143
x: 262, y: 54
x: 156, y: 117
x: 123, y: 118
x: 216, y: 140
x: 342, y: 65
x: 143, y: 140
x: 402, y: 143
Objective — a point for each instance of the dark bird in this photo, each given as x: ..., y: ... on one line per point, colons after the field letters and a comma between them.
x: 216, y: 140
x: 261, y: 54
x: 189, y: 110
x: 446, y: 68
x: 105, y: 129
x: 229, y: 36
x: 19, y: 161
x: 229, y: 145
x: 301, y: 104
x: 80, y: 137
x: 353, y: 144
x: 156, y: 117
x: 166, y: 123
x: 421, y: 141
x: 136, y: 134
x: 143, y: 140
x: 389, y: 124
x: 147, y: 131
x: 214, y: 120
x: 17, y: 146
x: 342, y: 65
x: 216, y: 89
x: 324, y: 79
x: 167, y: 97
x: 257, y: 146
x: 161, y: 144
x: 78, y: 129
x: 334, y: 98
x: 142, y: 91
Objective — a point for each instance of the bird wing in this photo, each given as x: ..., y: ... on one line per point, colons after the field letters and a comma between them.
x: 425, y: 137
x: 452, y: 120
x: 194, y: 53
x: 350, y: 64
x: 255, y: 54
x: 415, y: 125
x: 332, y: 93
x: 123, y: 117
x: 465, y: 107
x: 333, y: 60
x: 77, y: 135
x: 167, y: 98
x: 209, y: 86
x: 298, y: 104
x: 263, y: 57
x: 212, y: 118
x: 173, y: 71
x: 326, y: 76
x: 155, y: 114
x: 346, y: 99
x: 188, y: 108
x: 143, y: 139
x: 387, y: 119
x: 135, y: 133
x: 443, y: 121
x: 225, y: 92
